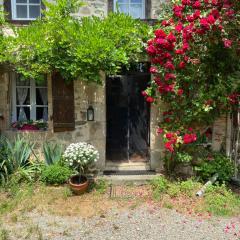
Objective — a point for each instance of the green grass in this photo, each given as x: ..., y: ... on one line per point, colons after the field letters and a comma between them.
x: 221, y: 201
x: 218, y: 200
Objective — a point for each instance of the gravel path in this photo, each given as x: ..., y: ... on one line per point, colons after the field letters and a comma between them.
x: 142, y: 223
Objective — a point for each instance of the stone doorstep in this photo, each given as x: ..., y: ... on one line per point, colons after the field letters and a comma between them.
x: 126, y: 166
x: 128, y: 179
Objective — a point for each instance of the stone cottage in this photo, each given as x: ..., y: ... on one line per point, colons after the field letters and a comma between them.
x: 113, y: 117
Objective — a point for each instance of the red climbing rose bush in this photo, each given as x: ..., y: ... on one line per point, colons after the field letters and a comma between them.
x: 195, y: 56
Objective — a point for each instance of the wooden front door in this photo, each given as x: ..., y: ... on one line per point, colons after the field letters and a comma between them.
x: 128, y: 116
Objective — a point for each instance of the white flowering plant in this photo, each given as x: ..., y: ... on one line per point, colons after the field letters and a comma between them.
x: 80, y: 156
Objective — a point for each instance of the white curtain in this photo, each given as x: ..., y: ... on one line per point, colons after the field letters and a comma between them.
x: 43, y: 94
x: 22, y: 95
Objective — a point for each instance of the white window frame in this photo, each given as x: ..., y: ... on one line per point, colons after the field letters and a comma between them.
x: 33, y: 105
x: 14, y: 9
x: 129, y: 4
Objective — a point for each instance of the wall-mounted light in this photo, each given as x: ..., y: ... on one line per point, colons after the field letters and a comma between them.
x: 90, y: 113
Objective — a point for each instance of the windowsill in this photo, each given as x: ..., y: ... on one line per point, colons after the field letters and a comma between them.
x: 33, y: 131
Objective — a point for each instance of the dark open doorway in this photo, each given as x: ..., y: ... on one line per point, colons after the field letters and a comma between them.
x: 128, y: 115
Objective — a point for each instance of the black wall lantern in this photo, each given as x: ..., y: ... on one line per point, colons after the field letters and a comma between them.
x: 90, y: 113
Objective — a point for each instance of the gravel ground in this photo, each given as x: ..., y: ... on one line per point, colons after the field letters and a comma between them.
x: 142, y: 223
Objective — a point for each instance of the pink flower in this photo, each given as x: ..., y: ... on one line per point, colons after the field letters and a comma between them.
x: 160, y: 131
x: 227, y: 43
x: 144, y: 93
x: 153, y: 70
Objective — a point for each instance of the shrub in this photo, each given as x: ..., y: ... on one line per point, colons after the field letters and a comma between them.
x: 217, y: 163
x: 55, y: 174
x: 80, y: 156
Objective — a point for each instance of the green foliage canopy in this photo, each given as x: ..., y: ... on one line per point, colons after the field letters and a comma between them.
x: 76, y: 47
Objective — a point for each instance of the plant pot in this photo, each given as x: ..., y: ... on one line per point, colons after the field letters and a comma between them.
x: 78, y: 184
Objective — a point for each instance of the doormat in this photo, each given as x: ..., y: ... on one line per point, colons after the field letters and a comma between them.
x: 129, y: 172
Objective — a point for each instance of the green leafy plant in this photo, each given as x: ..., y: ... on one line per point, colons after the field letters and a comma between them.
x: 159, y: 186
x: 77, y: 48
x: 19, y: 152
x: 55, y: 174
x: 52, y: 153
x: 221, y: 201
x: 173, y: 190
x: 216, y: 163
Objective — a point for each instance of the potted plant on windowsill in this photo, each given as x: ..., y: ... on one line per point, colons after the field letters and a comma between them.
x: 30, y: 125
x: 80, y: 156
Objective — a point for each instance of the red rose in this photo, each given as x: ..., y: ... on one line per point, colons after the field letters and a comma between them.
x: 204, y: 23
x: 197, y: 4
x: 171, y: 37
x: 151, y: 50
x: 179, y: 27
x: 169, y: 76
x: 144, y: 93
x: 182, y: 65
x: 180, y: 92
x: 169, y: 135
x: 211, y: 19
x: 179, y: 51
x: 169, y: 147
x: 159, y: 33
x: 150, y: 99
x: 169, y: 65
x: 186, y: 2
x: 197, y: 14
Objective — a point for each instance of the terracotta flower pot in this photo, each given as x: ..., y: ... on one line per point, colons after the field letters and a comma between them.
x: 78, y: 184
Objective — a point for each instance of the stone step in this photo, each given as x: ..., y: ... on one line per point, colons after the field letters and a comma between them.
x: 128, y: 179
x: 111, y: 166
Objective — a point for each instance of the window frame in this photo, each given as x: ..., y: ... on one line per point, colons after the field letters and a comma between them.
x: 14, y: 10
x: 129, y: 4
x: 33, y: 105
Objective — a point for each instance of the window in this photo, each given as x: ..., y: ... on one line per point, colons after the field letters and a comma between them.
x: 134, y: 8
x: 26, y: 9
x: 29, y: 99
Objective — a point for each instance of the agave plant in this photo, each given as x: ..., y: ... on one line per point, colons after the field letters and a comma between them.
x: 4, y: 163
x: 52, y: 153
x: 19, y: 152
